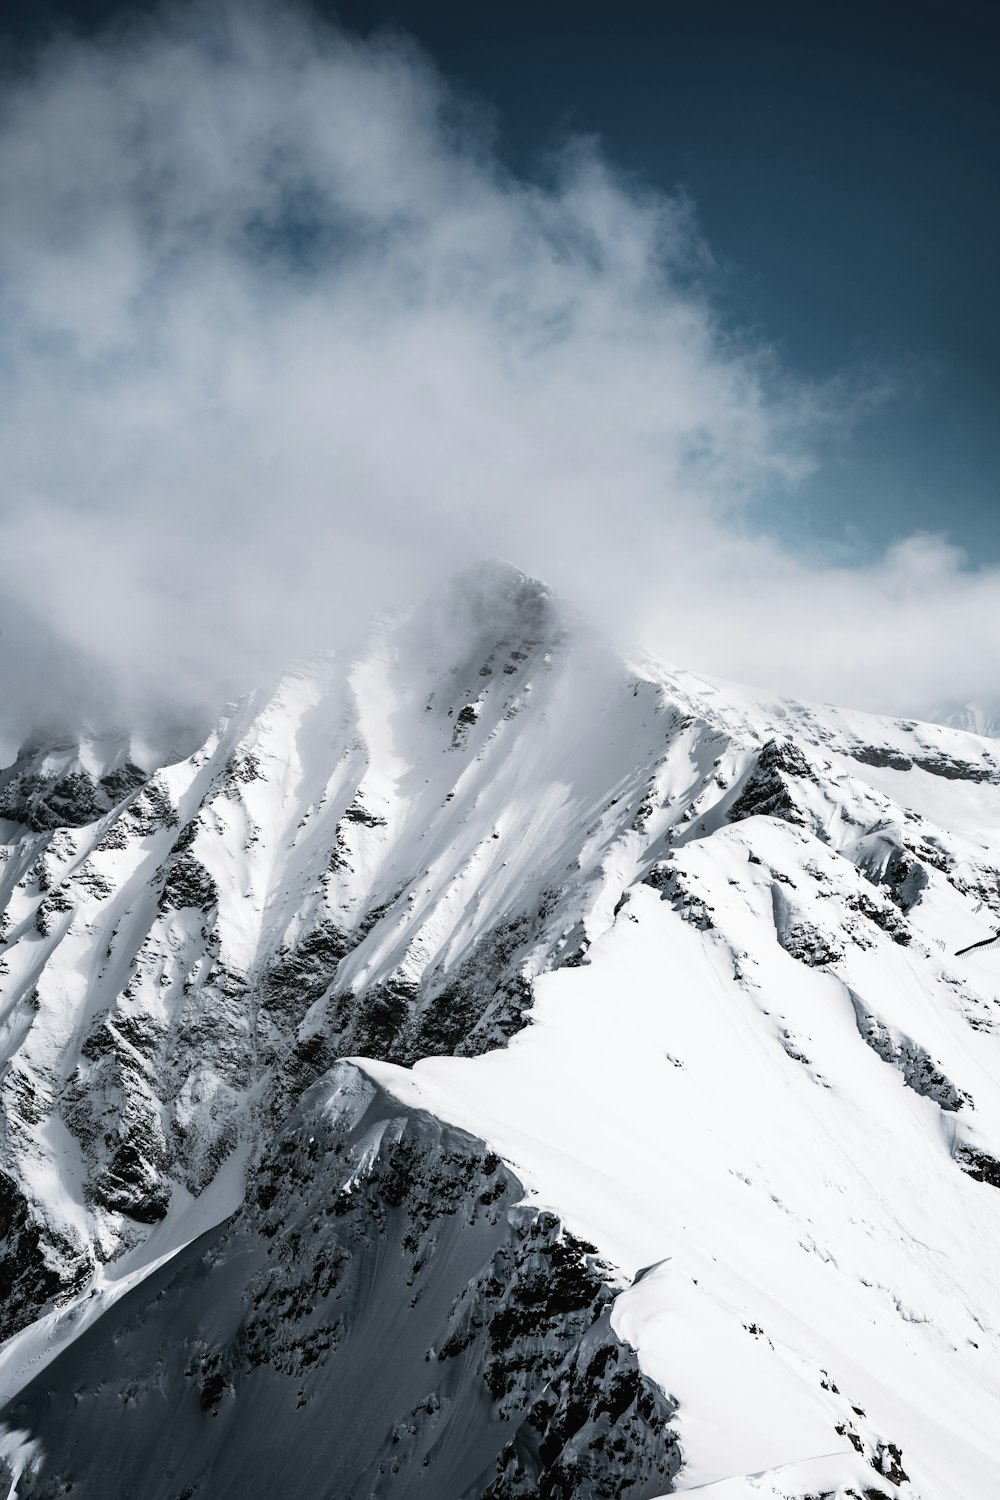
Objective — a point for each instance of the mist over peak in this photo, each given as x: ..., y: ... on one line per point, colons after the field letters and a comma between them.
x: 284, y: 342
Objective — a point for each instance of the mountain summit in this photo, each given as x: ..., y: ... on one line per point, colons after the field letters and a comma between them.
x: 489, y: 1067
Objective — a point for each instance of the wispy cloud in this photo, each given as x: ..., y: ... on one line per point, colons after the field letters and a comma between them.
x: 281, y: 340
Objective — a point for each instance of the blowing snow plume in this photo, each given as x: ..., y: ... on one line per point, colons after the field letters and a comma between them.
x: 281, y: 339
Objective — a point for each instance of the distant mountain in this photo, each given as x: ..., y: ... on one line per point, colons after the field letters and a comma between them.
x: 490, y: 1068
x: 980, y: 717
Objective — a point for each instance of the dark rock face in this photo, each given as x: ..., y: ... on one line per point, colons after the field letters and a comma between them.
x: 466, y: 1010
x: 918, y: 1069
x: 123, y: 781
x: 43, y: 802
x: 978, y: 1165
x: 132, y: 1184
x: 904, y: 878
x: 879, y: 755
x: 40, y: 804
x: 767, y: 791
x: 383, y: 1270
x: 589, y: 1432
x: 685, y: 897
x: 936, y: 764
x: 955, y: 770
x: 808, y: 944
x: 188, y: 884
x: 35, y: 1266
x: 882, y: 915
x: 111, y: 1107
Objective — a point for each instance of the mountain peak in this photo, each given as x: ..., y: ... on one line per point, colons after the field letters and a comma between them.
x: 459, y: 927
x: 492, y: 597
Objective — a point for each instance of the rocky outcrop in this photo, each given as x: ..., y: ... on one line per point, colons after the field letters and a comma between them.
x: 38, y: 1266
x: 913, y: 1062
x: 769, y: 788
x: 49, y: 787
x: 386, y: 1270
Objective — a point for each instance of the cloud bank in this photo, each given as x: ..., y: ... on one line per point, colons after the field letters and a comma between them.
x: 281, y: 341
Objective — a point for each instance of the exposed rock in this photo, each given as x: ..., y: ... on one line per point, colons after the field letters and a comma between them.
x: 37, y: 1266
x: 978, y: 1164
x: 915, y: 1064
x: 361, y: 1221
x: 882, y: 856
x: 768, y: 790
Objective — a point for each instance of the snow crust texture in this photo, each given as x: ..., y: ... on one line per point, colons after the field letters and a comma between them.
x: 490, y: 1067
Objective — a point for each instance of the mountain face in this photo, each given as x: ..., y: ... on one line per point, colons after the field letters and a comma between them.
x: 979, y: 716
x: 489, y: 1067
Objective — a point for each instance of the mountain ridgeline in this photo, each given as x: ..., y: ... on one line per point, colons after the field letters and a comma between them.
x: 488, y: 1066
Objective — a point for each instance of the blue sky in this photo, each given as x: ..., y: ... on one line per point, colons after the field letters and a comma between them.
x: 843, y: 159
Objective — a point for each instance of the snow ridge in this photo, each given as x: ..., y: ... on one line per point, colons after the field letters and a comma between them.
x: 674, y: 1109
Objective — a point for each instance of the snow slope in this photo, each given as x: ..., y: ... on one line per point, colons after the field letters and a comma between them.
x: 680, y: 956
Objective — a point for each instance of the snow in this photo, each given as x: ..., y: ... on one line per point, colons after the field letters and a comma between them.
x: 752, y: 1086
x: 28, y: 1353
x: 651, y: 1100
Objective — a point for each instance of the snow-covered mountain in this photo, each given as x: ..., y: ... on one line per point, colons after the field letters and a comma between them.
x: 489, y: 1067
x: 981, y: 716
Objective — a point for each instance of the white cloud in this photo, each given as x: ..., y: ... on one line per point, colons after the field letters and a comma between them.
x: 281, y: 340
